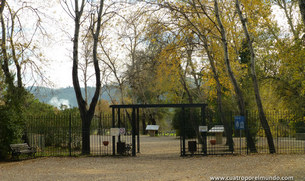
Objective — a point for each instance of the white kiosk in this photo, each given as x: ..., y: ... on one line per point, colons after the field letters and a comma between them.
x: 218, y: 130
x: 152, y: 129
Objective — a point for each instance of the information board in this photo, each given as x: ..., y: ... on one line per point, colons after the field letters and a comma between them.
x: 114, y: 131
x: 239, y: 122
x: 203, y: 129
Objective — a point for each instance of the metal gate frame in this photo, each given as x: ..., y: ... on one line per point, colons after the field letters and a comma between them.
x: 135, y: 124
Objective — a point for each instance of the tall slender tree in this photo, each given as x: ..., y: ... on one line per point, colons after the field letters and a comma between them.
x: 86, y: 111
x: 259, y: 104
x: 238, y: 92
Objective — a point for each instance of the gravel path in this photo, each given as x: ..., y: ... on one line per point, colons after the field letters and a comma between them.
x: 159, y: 160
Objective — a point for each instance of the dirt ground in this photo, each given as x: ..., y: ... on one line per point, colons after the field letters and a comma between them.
x: 159, y: 160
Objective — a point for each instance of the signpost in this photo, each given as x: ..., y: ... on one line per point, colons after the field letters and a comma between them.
x: 117, y: 131
x: 203, y: 129
x: 114, y: 131
x: 239, y: 122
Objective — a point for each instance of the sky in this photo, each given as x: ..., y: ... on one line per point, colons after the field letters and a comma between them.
x: 57, y: 49
x: 54, y: 47
x: 58, y: 53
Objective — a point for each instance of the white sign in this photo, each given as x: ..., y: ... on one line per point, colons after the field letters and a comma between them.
x: 114, y: 131
x: 217, y: 129
x: 203, y: 129
x: 152, y: 127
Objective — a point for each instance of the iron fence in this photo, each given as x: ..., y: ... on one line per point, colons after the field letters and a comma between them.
x: 61, y: 135
x: 288, y: 135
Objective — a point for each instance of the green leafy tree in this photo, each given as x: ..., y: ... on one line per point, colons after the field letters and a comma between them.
x: 17, y: 46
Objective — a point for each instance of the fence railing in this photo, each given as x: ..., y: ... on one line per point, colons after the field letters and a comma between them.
x: 61, y: 135
x: 287, y: 129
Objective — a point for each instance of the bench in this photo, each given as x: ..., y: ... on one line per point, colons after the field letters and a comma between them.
x: 22, y: 148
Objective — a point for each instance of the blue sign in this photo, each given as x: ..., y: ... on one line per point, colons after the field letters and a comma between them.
x: 239, y: 122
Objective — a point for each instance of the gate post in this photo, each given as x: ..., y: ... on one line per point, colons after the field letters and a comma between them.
x: 70, y: 134
x: 138, y: 130
x: 133, y: 125
x: 119, y: 123
x: 247, y: 133
x: 204, y: 134
x: 113, y: 137
x: 183, y: 131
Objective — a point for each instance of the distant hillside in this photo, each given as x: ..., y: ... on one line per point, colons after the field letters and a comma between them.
x: 64, y: 96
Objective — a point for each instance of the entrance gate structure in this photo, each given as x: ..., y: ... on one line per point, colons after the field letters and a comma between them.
x: 193, y: 146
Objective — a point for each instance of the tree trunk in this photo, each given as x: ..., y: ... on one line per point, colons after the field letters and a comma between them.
x: 86, y: 113
x: 15, y: 93
x: 262, y: 116
x: 5, y: 58
x: 302, y: 10
x: 85, y: 136
x: 238, y: 92
x: 15, y: 59
x: 287, y: 10
x: 2, y: 5
x: 196, y: 76
x: 226, y: 123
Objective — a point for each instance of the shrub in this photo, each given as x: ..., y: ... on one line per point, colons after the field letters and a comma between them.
x: 299, y: 126
x: 192, y: 121
x: 11, y: 129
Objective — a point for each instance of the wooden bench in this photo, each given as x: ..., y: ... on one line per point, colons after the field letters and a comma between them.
x: 22, y: 148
